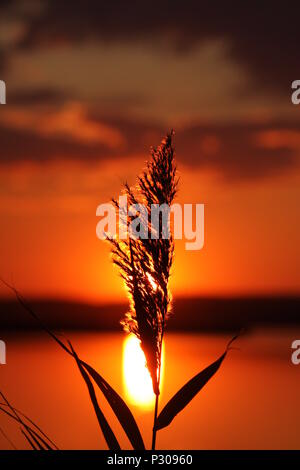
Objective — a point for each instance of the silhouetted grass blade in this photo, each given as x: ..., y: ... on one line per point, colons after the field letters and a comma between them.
x: 117, y: 404
x: 7, y: 438
x: 183, y: 397
x: 28, y: 440
x: 27, y: 307
x: 120, y: 409
x: 108, y: 433
x: 37, y: 428
x: 39, y: 444
x: 35, y: 436
x: 32, y: 432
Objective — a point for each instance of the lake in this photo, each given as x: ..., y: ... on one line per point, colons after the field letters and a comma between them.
x: 251, y: 403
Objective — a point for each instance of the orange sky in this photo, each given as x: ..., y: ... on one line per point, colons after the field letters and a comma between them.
x: 49, y: 244
x: 82, y: 112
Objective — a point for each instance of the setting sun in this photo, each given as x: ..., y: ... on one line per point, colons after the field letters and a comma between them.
x: 137, y: 381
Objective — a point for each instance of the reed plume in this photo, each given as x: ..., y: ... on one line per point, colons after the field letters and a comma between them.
x: 145, y: 262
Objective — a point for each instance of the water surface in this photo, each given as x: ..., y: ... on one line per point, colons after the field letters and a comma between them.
x: 252, y: 402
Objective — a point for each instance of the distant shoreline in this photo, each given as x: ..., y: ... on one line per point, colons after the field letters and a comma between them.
x: 200, y: 314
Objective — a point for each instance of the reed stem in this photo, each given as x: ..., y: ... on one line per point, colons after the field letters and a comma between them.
x: 157, y: 395
x: 154, y: 423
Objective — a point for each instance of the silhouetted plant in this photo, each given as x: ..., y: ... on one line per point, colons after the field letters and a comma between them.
x: 145, y: 262
x: 145, y: 265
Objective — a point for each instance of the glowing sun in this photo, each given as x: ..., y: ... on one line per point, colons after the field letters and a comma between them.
x: 137, y: 381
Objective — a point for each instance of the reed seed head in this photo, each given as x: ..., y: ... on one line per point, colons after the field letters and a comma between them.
x: 145, y: 263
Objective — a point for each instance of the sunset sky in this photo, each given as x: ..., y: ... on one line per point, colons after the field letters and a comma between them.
x: 92, y: 85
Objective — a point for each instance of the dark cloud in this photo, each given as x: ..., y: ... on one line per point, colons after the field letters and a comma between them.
x: 19, y: 145
x: 261, y: 36
x: 37, y: 96
x: 233, y: 150
x: 3, y: 63
x: 50, y: 96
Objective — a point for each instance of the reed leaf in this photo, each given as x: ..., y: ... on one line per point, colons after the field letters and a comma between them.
x: 35, y: 426
x: 183, y: 397
x: 32, y: 432
x: 41, y: 443
x: 119, y: 407
x: 8, y: 439
x: 47, y: 438
x: 37, y: 442
x: 29, y: 440
x: 108, y: 433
